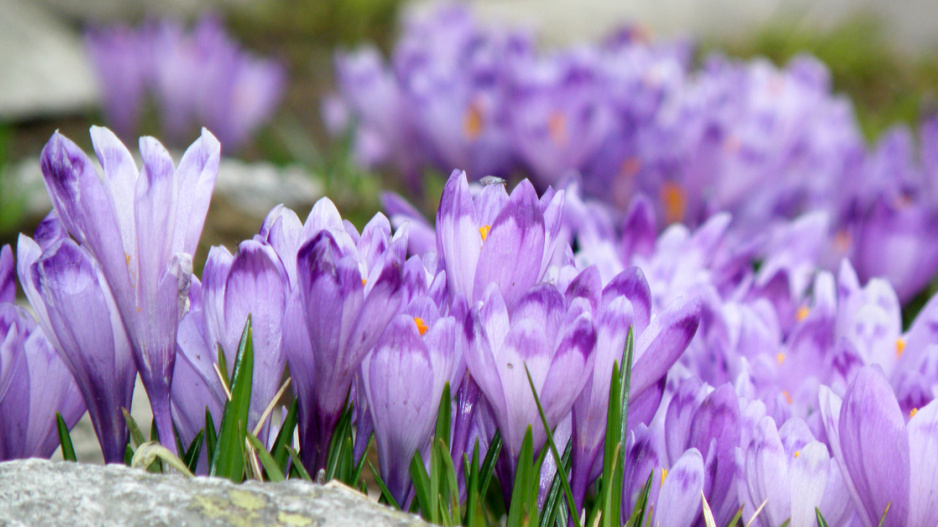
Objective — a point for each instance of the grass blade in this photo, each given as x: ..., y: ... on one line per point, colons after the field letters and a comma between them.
x: 821, y: 522
x: 385, y: 493
x: 561, y: 468
x: 357, y: 474
x: 136, y: 436
x: 149, y: 454
x: 297, y: 466
x: 488, y: 464
x: 421, y: 482
x: 210, y: 436
x: 228, y: 459
x: 552, y: 505
x: 191, y: 457
x: 270, y: 466
x: 343, y: 429
x: 65, y: 439
x: 520, y: 512
x: 641, y: 504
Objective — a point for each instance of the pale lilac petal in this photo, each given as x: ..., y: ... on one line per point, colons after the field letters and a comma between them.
x: 767, y: 473
x: 809, y: 474
x: 878, y: 462
x: 508, y: 254
x: 663, y: 343
x: 631, y: 283
x: 7, y: 273
x: 679, y: 497
x: 457, y: 235
x: 257, y: 287
x: 923, y: 446
x: 195, y: 179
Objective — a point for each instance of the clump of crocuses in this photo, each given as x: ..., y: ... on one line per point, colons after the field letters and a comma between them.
x: 190, y: 77
x: 743, y: 390
x: 635, y: 121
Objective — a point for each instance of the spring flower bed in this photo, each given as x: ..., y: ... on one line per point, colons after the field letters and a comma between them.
x: 668, y: 381
x: 704, y: 327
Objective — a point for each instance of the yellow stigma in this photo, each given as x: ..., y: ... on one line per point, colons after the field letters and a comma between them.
x: 900, y: 346
x: 364, y: 281
x: 842, y: 240
x: 787, y: 396
x: 797, y: 453
x: 779, y: 358
x: 674, y: 202
x: 557, y: 128
x: 484, y: 231
x: 802, y: 313
x: 664, y: 476
x: 913, y: 412
x: 421, y: 325
x: 472, y: 122
x: 631, y: 166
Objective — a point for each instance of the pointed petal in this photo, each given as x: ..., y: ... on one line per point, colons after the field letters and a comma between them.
x: 878, y: 463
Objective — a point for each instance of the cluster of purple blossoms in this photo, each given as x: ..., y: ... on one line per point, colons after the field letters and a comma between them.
x: 635, y: 121
x: 193, y: 78
x: 753, y: 386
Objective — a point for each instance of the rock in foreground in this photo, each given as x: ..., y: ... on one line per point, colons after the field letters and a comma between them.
x: 39, y: 492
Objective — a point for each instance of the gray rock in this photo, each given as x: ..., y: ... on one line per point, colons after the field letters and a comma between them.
x: 39, y: 492
x: 43, y: 68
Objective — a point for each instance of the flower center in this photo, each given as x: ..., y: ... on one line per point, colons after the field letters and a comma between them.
x: 421, y: 325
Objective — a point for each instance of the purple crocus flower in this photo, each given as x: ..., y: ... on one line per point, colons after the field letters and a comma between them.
x: 403, y: 380
x: 496, y: 238
x: 709, y: 422
x: 34, y: 382
x: 196, y: 386
x: 542, y: 335
x: 680, y: 487
x: 235, y: 92
x: 115, y: 54
x: 143, y: 230
x: 346, y: 288
x: 559, y: 113
x: 252, y: 282
x: 625, y: 302
x: 791, y: 472
x: 200, y: 76
x: 887, y: 460
x: 40, y: 385
x: 69, y: 293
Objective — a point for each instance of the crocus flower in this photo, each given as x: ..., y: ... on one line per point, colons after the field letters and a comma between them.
x: 543, y: 336
x: 792, y: 474
x: 34, y: 382
x: 710, y: 423
x: 625, y: 302
x: 199, y: 76
x: 40, y: 385
x: 196, y: 386
x: 559, y: 114
x: 345, y: 289
x: 122, y: 76
x: 496, y: 238
x: 69, y: 293
x: 142, y: 228
x: 251, y: 283
x: 403, y: 380
x: 887, y: 460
